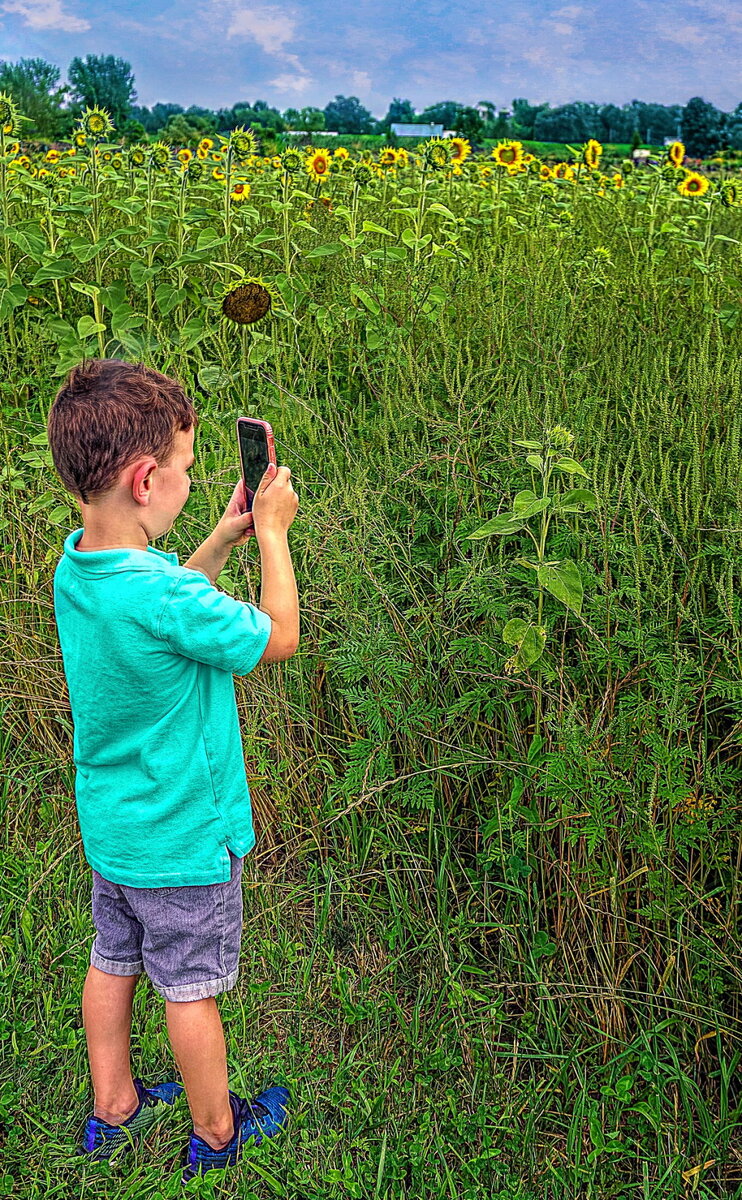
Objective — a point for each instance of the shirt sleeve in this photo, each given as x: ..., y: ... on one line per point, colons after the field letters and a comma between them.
x: 201, y: 622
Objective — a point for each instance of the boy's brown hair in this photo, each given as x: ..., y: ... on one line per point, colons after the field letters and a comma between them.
x: 107, y: 414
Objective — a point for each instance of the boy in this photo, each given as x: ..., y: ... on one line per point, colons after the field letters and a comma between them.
x: 149, y: 650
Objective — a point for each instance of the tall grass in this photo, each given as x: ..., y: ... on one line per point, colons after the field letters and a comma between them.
x: 488, y: 964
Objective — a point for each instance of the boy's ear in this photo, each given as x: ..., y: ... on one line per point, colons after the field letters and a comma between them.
x: 141, y: 481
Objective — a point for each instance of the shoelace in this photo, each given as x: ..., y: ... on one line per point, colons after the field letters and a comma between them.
x: 253, y: 1109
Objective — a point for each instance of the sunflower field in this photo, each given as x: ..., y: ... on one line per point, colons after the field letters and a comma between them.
x: 492, y: 917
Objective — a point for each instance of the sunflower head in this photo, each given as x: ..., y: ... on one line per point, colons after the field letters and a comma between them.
x: 508, y: 154
x: 248, y: 300
x: 544, y: 172
x: 244, y: 143
x: 676, y: 154
x: 388, y: 157
x: 8, y: 115
x: 731, y: 195
x: 627, y: 167
x: 291, y: 160
x: 117, y: 162
x: 240, y: 191
x: 693, y: 185
x: 436, y: 153
x: 618, y: 180
x: 159, y: 156
x: 341, y: 153
x: 362, y: 174
x: 80, y: 139
x: 591, y: 153
x: 96, y: 122
x: 562, y: 171
x: 460, y: 149
x: 403, y: 157
x: 318, y: 164
x: 185, y: 155
x: 559, y: 438
x: 205, y: 144
x: 137, y: 156
x: 195, y: 170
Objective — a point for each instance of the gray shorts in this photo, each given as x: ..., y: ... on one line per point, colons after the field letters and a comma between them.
x: 187, y: 939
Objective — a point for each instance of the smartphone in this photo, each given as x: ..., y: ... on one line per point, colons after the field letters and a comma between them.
x: 256, y: 452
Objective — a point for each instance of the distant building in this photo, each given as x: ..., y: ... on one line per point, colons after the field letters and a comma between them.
x: 416, y: 131
x: 640, y: 155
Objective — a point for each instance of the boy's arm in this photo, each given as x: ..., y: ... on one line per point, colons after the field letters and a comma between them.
x: 210, y: 558
x: 278, y: 594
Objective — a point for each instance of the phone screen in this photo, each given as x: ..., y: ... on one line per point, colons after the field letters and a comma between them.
x: 254, y: 456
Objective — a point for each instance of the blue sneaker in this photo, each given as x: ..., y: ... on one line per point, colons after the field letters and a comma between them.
x: 101, y: 1139
x: 265, y: 1116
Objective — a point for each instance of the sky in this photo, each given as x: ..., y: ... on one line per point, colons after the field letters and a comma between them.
x: 291, y: 54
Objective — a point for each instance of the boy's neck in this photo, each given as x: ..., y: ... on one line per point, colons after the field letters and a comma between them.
x: 99, y: 535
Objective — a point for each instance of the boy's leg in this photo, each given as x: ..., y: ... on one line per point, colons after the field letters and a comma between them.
x: 197, y: 1039
x: 106, y: 1010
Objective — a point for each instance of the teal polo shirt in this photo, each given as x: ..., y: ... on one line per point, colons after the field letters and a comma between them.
x: 149, y: 650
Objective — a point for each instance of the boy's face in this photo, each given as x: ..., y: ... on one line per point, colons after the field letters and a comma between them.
x: 169, y: 486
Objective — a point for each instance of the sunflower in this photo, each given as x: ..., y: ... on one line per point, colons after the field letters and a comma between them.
x: 159, y: 155
x: 486, y: 173
x: 8, y: 114
x: 731, y: 195
x: 52, y: 156
x: 341, y: 153
x: 318, y: 165
x: 137, y: 156
x: 216, y: 156
x: 205, y: 144
x: 62, y: 172
x: 13, y: 148
x: 96, y: 122
x: 71, y: 152
x: 276, y: 162
x: 291, y: 161
x: 436, y: 153
x: 387, y: 157
x: 693, y: 185
x: 460, y: 149
x: 218, y: 174
x: 185, y: 155
x: 243, y: 142
x: 676, y: 153
x: 248, y: 300
x: 544, y: 171
x: 562, y: 171
x: 195, y: 170
x: 403, y: 157
x: 117, y: 162
x: 107, y: 156
x: 591, y: 153
x: 508, y: 154
x: 240, y: 191
x: 72, y: 171
x: 202, y: 151
x: 362, y: 174
x: 81, y: 140
x: 43, y: 173
x: 528, y: 159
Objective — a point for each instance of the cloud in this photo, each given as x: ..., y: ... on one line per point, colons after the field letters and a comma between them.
x: 46, y: 14
x: 291, y: 83
x: 269, y: 27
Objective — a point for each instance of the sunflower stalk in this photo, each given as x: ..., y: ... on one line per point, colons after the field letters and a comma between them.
x: 420, y: 214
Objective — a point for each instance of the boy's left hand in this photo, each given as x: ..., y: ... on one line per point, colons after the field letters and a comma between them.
x: 236, y: 525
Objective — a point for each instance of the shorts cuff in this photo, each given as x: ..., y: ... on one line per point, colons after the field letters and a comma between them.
x: 197, y: 991
x: 111, y: 967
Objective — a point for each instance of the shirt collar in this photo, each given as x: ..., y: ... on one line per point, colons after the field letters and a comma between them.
x: 103, y: 562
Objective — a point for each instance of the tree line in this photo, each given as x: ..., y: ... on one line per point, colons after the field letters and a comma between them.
x: 51, y: 111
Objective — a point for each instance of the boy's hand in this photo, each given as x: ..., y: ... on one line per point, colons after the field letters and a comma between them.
x: 236, y: 525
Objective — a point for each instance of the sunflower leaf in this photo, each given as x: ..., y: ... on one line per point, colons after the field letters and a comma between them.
x: 571, y: 467
x: 562, y: 579
x: 325, y: 251
x: 506, y: 524
x: 529, y: 640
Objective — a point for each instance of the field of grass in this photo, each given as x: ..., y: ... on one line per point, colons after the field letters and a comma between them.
x: 492, y: 919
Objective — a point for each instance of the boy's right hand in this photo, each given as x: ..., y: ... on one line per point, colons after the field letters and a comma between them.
x: 275, y: 502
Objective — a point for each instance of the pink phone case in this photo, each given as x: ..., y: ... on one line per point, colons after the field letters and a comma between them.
x: 269, y: 436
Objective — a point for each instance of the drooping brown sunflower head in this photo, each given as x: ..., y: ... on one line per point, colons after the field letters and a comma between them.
x: 248, y: 301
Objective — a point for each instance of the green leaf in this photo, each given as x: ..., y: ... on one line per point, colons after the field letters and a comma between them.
x: 325, y: 251
x: 441, y: 208
x: 167, y: 297
x: 528, y: 639
x: 208, y: 238
x: 213, y: 378
x: 370, y: 227
x: 192, y: 333
x: 87, y: 326
x: 571, y: 467
x: 60, y: 269
x: 368, y: 301
x: 576, y: 500
x: 535, y: 460
x: 505, y: 524
x: 562, y: 579
x: 522, y: 499
x: 530, y: 508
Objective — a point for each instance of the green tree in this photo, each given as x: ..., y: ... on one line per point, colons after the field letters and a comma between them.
x: 400, y: 112
x: 346, y: 114
x: 732, y: 128
x: 312, y: 119
x: 32, y: 82
x: 524, y: 118
x: 157, y: 117
x: 103, y: 80
x: 469, y: 124
x: 445, y: 113
x: 182, y: 130
x: 701, y: 126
